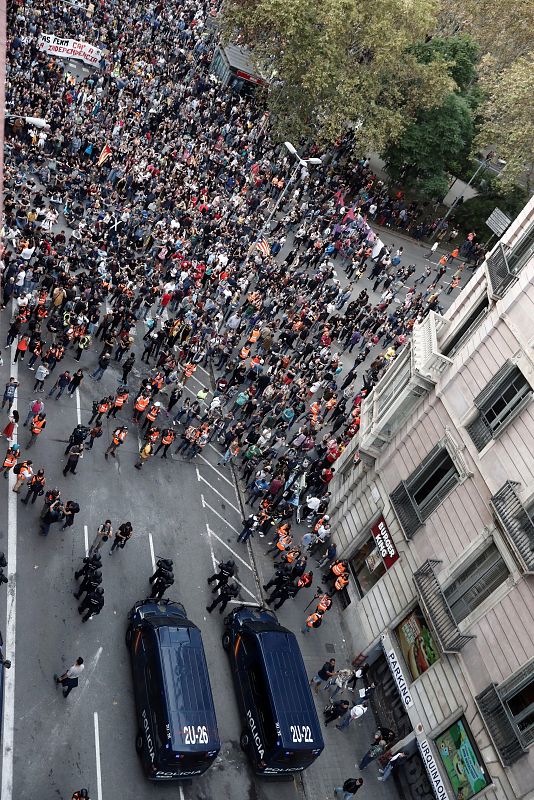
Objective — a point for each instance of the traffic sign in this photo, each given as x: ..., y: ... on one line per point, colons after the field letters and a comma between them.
x: 498, y: 222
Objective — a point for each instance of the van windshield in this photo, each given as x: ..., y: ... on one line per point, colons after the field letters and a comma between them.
x: 293, y: 758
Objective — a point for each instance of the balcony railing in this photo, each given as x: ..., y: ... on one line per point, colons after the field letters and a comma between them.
x: 426, y: 357
x: 500, y: 727
x: 449, y: 636
x: 517, y: 523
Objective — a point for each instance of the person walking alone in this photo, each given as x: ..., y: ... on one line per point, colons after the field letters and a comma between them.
x: 69, y: 679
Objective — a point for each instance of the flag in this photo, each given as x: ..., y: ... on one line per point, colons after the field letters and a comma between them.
x: 263, y: 246
x: 104, y: 155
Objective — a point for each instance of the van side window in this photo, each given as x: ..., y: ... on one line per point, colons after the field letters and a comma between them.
x: 156, y: 708
x: 259, y: 690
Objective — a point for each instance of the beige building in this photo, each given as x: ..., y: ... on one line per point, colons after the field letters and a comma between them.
x: 434, y: 510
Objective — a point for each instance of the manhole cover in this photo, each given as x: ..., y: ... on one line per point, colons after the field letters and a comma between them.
x: 330, y: 648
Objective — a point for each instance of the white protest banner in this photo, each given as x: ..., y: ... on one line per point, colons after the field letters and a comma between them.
x: 69, y: 48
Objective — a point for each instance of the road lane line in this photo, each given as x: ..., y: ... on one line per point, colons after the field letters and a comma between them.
x: 213, y: 489
x: 8, y: 735
x: 233, y: 552
x: 152, y: 556
x: 86, y: 539
x: 213, y: 559
x: 78, y: 410
x: 219, y: 473
x: 97, y: 751
x: 181, y: 792
x: 205, y: 502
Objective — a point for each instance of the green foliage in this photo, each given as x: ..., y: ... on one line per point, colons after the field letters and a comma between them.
x: 435, y: 145
x: 336, y: 63
x: 472, y: 215
x: 461, y: 53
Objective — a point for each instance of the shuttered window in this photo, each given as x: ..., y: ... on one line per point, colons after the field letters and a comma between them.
x: 416, y: 498
x: 504, y: 397
x: 476, y: 583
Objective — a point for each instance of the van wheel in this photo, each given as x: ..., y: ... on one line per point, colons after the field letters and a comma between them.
x: 139, y: 743
x: 128, y: 637
x: 244, y: 741
x: 226, y: 641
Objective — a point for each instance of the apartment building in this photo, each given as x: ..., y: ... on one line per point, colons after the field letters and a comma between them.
x: 434, y: 511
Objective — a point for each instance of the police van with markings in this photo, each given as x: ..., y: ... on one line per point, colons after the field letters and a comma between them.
x: 281, y: 731
x: 177, y: 728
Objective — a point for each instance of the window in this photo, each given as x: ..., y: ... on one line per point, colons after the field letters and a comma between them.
x: 416, y: 498
x: 476, y: 583
x: 521, y: 707
x: 393, y: 384
x: 503, y: 398
x: 505, y: 263
x: 461, y: 334
x: 367, y: 566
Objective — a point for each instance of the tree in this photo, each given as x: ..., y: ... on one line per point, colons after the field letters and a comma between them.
x: 460, y: 53
x: 508, y: 123
x: 431, y: 147
x: 340, y: 63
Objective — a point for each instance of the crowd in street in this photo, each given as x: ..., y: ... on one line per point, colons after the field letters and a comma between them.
x: 123, y: 227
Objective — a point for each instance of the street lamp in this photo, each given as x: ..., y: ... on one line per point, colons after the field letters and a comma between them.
x: 301, y: 162
x: 37, y: 122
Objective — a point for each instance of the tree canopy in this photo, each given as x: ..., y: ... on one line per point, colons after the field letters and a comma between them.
x: 337, y: 63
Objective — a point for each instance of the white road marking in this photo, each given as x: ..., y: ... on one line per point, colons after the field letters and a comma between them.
x: 203, y: 370
x: 213, y: 489
x: 78, y: 410
x: 97, y: 751
x: 205, y: 503
x: 86, y: 539
x: 8, y: 735
x: 181, y: 792
x: 217, y: 450
x: 214, y: 560
x: 219, y: 473
x: 151, y: 543
x: 233, y: 552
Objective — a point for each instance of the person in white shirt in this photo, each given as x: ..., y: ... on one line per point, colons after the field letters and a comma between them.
x: 69, y: 679
x: 356, y: 712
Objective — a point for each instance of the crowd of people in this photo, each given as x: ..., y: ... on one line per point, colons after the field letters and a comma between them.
x: 154, y: 198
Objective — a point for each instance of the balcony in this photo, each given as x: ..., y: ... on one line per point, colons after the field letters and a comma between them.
x: 438, y: 613
x: 427, y: 360
x: 500, y: 727
x: 517, y: 523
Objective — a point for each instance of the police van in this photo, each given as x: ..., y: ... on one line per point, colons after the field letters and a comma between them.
x: 177, y: 729
x: 281, y: 731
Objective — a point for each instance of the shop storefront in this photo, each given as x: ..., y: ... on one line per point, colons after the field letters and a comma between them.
x: 233, y: 65
x: 374, y: 558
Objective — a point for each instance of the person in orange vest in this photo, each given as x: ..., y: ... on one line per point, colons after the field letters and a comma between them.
x: 305, y: 580
x: 157, y: 383
x: 341, y: 582
x: 167, y: 438
x: 10, y: 459
x: 244, y: 352
x: 25, y: 472
x: 282, y: 540
x: 119, y: 436
x: 120, y: 399
x: 35, y: 487
x: 254, y: 336
x: 189, y: 369
x: 22, y: 346
x: 152, y: 414
x: 37, y: 425
x: 140, y: 405
x: 152, y: 435
x: 291, y: 555
x: 101, y: 408
x: 325, y: 602
x: 338, y: 568
x: 313, y: 621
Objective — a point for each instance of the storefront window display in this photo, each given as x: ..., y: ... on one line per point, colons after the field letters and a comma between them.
x: 416, y: 642
x: 462, y: 760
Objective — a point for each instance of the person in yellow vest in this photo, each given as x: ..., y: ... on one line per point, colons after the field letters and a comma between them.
x: 120, y: 399
x: 24, y: 474
x: 140, y: 405
x: 37, y: 425
x: 144, y: 455
x: 312, y: 622
x: 167, y: 438
x: 119, y: 437
x: 152, y: 414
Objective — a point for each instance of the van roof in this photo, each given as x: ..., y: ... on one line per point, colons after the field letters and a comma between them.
x: 187, y: 687
x: 289, y: 689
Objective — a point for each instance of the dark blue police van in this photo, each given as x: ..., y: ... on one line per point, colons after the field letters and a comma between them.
x: 281, y: 731
x: 177, y: 728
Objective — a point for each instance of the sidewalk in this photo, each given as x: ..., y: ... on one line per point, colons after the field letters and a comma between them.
x: 343, y: 749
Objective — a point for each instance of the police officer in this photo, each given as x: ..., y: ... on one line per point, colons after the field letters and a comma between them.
x: 279, y: 578
x: 92, y: 604
x: 89, y: 564
x: 163, y: 565
x: 228, y: 591
x: 282, y: 593
x: 226, y: 571
x: 161, y: 584
x: 50, y: 497
x: 78, y: 435
x: 89, y: 583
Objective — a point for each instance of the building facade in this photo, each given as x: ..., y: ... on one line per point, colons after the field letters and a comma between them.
x: 434, y: 511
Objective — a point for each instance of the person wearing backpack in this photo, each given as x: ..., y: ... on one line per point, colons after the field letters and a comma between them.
x: 349, y: 788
